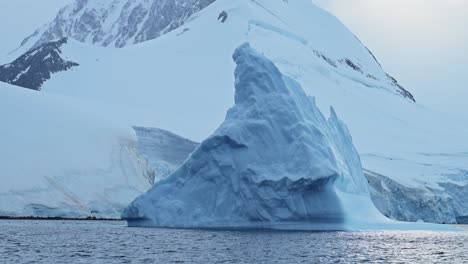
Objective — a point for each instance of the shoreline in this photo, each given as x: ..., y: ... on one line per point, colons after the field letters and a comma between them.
x: 463, y: 227
x: 89, y: 218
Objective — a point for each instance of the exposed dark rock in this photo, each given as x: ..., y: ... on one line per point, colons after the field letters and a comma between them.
x: 373, y: 56
x: 370, y: 52
x: 405, y: 93
x: 223, y: 16
x: 183, y: 31
x: 356, y: 67
x: 401, y: 89
x: 36, y: 66
x: 370, y: 76
x: 352, y: 65
x: 325, y: 58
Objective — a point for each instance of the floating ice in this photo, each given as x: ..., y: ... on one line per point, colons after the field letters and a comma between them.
x: 275, y: 162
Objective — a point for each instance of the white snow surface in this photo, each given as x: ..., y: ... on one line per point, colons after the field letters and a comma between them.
x: 155, y: 80
x: 60, y: 159
x: 275, y: 163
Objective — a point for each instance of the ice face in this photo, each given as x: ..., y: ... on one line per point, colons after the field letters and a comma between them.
x: 61, y: 158
x: 275, y: 162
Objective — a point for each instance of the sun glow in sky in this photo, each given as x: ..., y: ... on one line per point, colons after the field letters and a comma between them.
x: 424, y: 43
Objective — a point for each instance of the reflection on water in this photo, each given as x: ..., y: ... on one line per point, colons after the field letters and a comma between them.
x: 112, y: 242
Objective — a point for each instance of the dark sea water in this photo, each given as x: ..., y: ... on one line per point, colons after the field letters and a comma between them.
x: 112, y: 242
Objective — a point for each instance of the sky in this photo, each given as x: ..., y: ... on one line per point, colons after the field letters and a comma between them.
x: 423, y: 43
x: 19, y: 19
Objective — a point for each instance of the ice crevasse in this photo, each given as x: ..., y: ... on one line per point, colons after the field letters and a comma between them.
x: 275, y: 163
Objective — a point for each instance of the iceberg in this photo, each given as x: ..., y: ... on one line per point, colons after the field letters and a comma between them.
x: 275, y: 163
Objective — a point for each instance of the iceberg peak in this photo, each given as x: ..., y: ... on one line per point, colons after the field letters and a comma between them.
x: 275, y: 162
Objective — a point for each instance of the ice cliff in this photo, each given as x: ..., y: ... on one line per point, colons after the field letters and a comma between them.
x: 164, y: 151
x: 61, y: 159
x: 275, y: 162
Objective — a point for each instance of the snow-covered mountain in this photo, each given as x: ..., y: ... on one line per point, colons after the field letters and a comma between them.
x: 116, y: 23
x: 182, y: 82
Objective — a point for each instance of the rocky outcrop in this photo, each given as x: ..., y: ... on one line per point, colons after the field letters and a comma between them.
x: 36, y: 66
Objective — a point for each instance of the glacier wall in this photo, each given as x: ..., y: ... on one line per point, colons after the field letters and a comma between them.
x: 162, y: 150
x: 61, y: 159
x: 275, y: 162
x: 444, y: 204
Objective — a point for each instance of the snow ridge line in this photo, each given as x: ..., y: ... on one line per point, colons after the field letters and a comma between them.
x: 277, y: 30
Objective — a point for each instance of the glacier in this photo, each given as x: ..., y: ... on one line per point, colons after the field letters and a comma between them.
x: 275, y: 162
x: 162, y: 150
x: 60, y: 159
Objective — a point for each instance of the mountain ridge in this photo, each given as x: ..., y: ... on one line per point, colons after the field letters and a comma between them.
x: 116, y: 23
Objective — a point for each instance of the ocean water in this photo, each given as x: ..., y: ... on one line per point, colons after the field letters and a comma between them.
x: 112, y: 242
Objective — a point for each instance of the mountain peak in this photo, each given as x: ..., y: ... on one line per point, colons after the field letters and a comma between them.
x: 116, y: 23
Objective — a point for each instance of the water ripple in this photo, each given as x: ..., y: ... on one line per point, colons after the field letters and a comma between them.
x: 112, y: 242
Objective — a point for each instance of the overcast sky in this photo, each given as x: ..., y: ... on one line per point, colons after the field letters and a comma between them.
x: 424, y: 43
x: 19, y: 19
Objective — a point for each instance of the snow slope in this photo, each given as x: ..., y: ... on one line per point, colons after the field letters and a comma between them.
x: 148, y: 75
x: 182, y: 82
x: 61, y: 158
x: 275, y: 162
